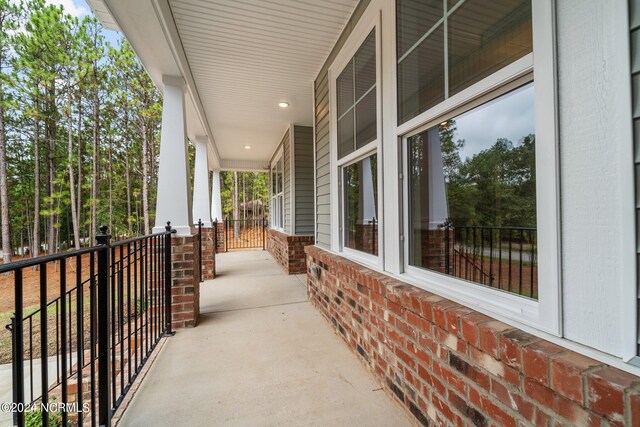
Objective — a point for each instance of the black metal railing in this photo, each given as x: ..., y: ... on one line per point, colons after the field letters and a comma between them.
x: 98, y: 324
x: 500, y: 257
x: 245, y: 233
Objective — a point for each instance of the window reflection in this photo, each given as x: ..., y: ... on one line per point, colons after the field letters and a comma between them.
x: 360, y: 182
x: 472, y: 195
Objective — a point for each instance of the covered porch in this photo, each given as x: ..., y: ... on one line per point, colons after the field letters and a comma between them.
x: 261, y: 355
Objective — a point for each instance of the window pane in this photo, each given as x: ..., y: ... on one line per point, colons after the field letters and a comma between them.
x: 345, y: 135
x: 472, y: 195
x: 361, y: 205
x: 415, y: 18
x: 421, y: 77
x: 280, y: 183
x: 366, y: 128
x: 485, y: 37
x: 273, y: 181
x: 365, y: 63
x: 344, y: 89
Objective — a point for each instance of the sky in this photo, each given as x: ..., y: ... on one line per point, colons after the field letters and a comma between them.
x: 510, y: 116
x: 79, y: 9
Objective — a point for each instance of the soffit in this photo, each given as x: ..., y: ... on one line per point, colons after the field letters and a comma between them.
x: 246, y: 56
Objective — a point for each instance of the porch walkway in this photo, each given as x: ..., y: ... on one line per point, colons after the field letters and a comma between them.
x: 260, y: 355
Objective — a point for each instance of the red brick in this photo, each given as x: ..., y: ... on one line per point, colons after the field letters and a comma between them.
x: 469, y: 327
x: 489, y: 335
x: 450, y: 378
x: 495, y: 367
x: 535, y: 360
x: 574, y: 413
x: 605, y: 392
x: 427, y: 306
x: 450, y: 340
x: 418, y: 322
x: 440, y: 312
x: 634, y: 407
x: 566, y: 374
x: 511, y: 344
x: 511, y: 398
x: 432, y: 380
x: 453, y: 319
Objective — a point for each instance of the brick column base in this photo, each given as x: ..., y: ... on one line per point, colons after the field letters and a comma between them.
x: 288, y: 250
x: 208, y: 254
x: 185, y: 290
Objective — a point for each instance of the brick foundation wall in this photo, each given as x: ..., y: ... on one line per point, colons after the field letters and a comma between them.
x: 185, y: 291
x: 288, y: 250
x: 208, y: 254
x: 448, y: 364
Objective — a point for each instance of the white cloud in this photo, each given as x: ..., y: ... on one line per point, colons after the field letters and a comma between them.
x: 72, y: 7
x: 77, y: 8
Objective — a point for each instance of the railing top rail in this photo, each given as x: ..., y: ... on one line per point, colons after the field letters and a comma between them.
x: 31, y: 262
x: 138, y: 238
x: 12, y: 266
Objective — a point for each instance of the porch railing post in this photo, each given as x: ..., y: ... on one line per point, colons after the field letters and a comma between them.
x: 167, y: 279
x: 215, y: 236
x: 264, y: 233
x: 17, y: 331
x: 104, y: 364
x: 226, y: 234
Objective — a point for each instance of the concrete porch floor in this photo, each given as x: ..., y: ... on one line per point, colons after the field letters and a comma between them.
x: 260, y: 355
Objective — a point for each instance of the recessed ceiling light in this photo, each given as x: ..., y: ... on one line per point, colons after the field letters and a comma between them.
x: 283, y: 104
x: 247, y: 147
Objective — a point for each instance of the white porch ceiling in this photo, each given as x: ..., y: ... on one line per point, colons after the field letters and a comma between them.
x: 247, y: 55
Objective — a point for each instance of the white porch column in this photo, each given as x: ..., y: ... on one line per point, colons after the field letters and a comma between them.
x: 201, y: 203
x: 367, y: 198
x: 438, y: 206
x: 174, y: 198
x: 216, y: 201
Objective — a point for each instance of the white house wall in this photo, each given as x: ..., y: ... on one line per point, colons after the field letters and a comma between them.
x: 596, y: 162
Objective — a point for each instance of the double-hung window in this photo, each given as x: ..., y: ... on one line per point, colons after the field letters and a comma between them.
x: 477, y: 209
x: 356, y: 140
x: 277, y: 193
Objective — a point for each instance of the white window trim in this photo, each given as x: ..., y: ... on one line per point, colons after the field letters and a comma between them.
x: 274, y: 196
x: 544, y: 314
x: 370, y: 20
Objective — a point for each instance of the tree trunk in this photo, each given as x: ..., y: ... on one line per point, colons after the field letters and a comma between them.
x: 94, y: 174
x: 128, y: 174
x: 236, y: 215
x: 4, y: 192
x: 72, y: 190
x: 50, y: 129
x: 35, y: 251
x: 111, y: 185
x: 79, y: 199
x: 145, y: 177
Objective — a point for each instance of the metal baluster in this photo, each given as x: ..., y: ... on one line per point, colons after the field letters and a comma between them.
x: 44, y: 351
x: 104, y: 411
x: 63, y: 348
x: 18, y: 344
x: 79, y: 335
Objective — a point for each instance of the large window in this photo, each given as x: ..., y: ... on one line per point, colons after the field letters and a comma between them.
x: 478, y: 201
x: 356, y: 129
x: 277, y: 193
x: 445, y: 47
x: 472, y: 195
x: 356, y: 99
